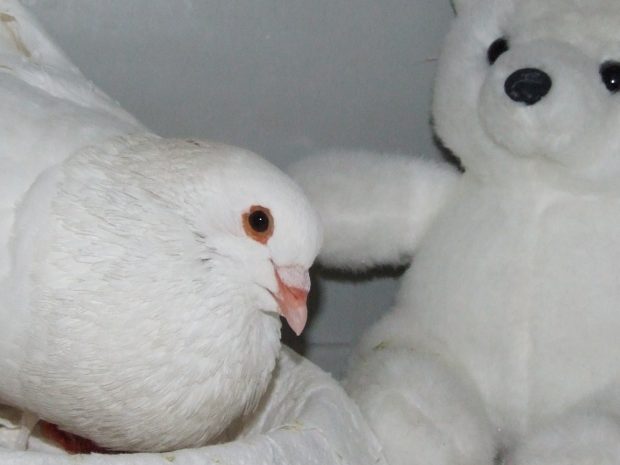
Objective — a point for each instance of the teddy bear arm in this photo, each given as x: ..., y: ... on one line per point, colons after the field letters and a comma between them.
x: 374, y: 207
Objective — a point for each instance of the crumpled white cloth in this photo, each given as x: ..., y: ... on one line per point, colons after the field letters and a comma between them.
x: 306, y: 418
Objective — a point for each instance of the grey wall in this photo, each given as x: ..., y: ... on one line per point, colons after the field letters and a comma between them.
x: 280, y: 77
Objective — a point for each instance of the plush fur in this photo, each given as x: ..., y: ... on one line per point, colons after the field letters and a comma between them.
x: 504, y: 341
x: 368, y: 224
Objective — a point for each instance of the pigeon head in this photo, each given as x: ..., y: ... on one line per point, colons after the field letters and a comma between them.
x: 260, y: 230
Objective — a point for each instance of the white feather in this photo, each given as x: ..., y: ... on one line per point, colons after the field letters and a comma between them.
x: 135, y: 310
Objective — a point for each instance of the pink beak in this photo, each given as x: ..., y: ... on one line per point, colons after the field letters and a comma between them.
x: 293, y: 288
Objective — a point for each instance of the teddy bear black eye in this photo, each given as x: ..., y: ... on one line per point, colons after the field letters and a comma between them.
x: 496, y: 49
x: 610, y: 74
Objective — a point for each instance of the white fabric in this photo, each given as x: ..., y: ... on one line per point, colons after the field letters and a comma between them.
x: 305, y: 419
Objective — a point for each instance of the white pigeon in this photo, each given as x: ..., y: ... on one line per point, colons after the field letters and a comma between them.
x: 141, y: 278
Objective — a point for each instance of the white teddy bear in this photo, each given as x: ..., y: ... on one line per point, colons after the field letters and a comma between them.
x: 504, y: 343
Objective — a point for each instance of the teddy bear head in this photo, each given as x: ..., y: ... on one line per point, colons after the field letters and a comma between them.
x: 532, y: 85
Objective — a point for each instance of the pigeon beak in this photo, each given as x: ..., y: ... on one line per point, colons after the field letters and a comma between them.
x: 293, y: 288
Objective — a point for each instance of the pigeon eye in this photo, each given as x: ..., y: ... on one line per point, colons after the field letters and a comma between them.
x: 610, y: 74
x: 496, y: 49
x: 258, y: 224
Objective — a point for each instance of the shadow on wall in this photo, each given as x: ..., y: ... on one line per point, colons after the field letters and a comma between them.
x: 320, y: 275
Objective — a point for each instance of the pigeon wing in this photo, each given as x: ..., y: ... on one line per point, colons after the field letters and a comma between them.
x: 48, y: 111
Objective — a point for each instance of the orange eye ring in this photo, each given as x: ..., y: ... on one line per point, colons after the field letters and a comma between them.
x: 258, y: 223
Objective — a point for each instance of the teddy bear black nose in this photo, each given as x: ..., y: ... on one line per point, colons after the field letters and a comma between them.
x: 527, y: 85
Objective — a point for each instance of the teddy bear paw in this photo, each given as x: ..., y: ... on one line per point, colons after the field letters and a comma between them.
x: 581, y: 440
x: 409, y: 437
